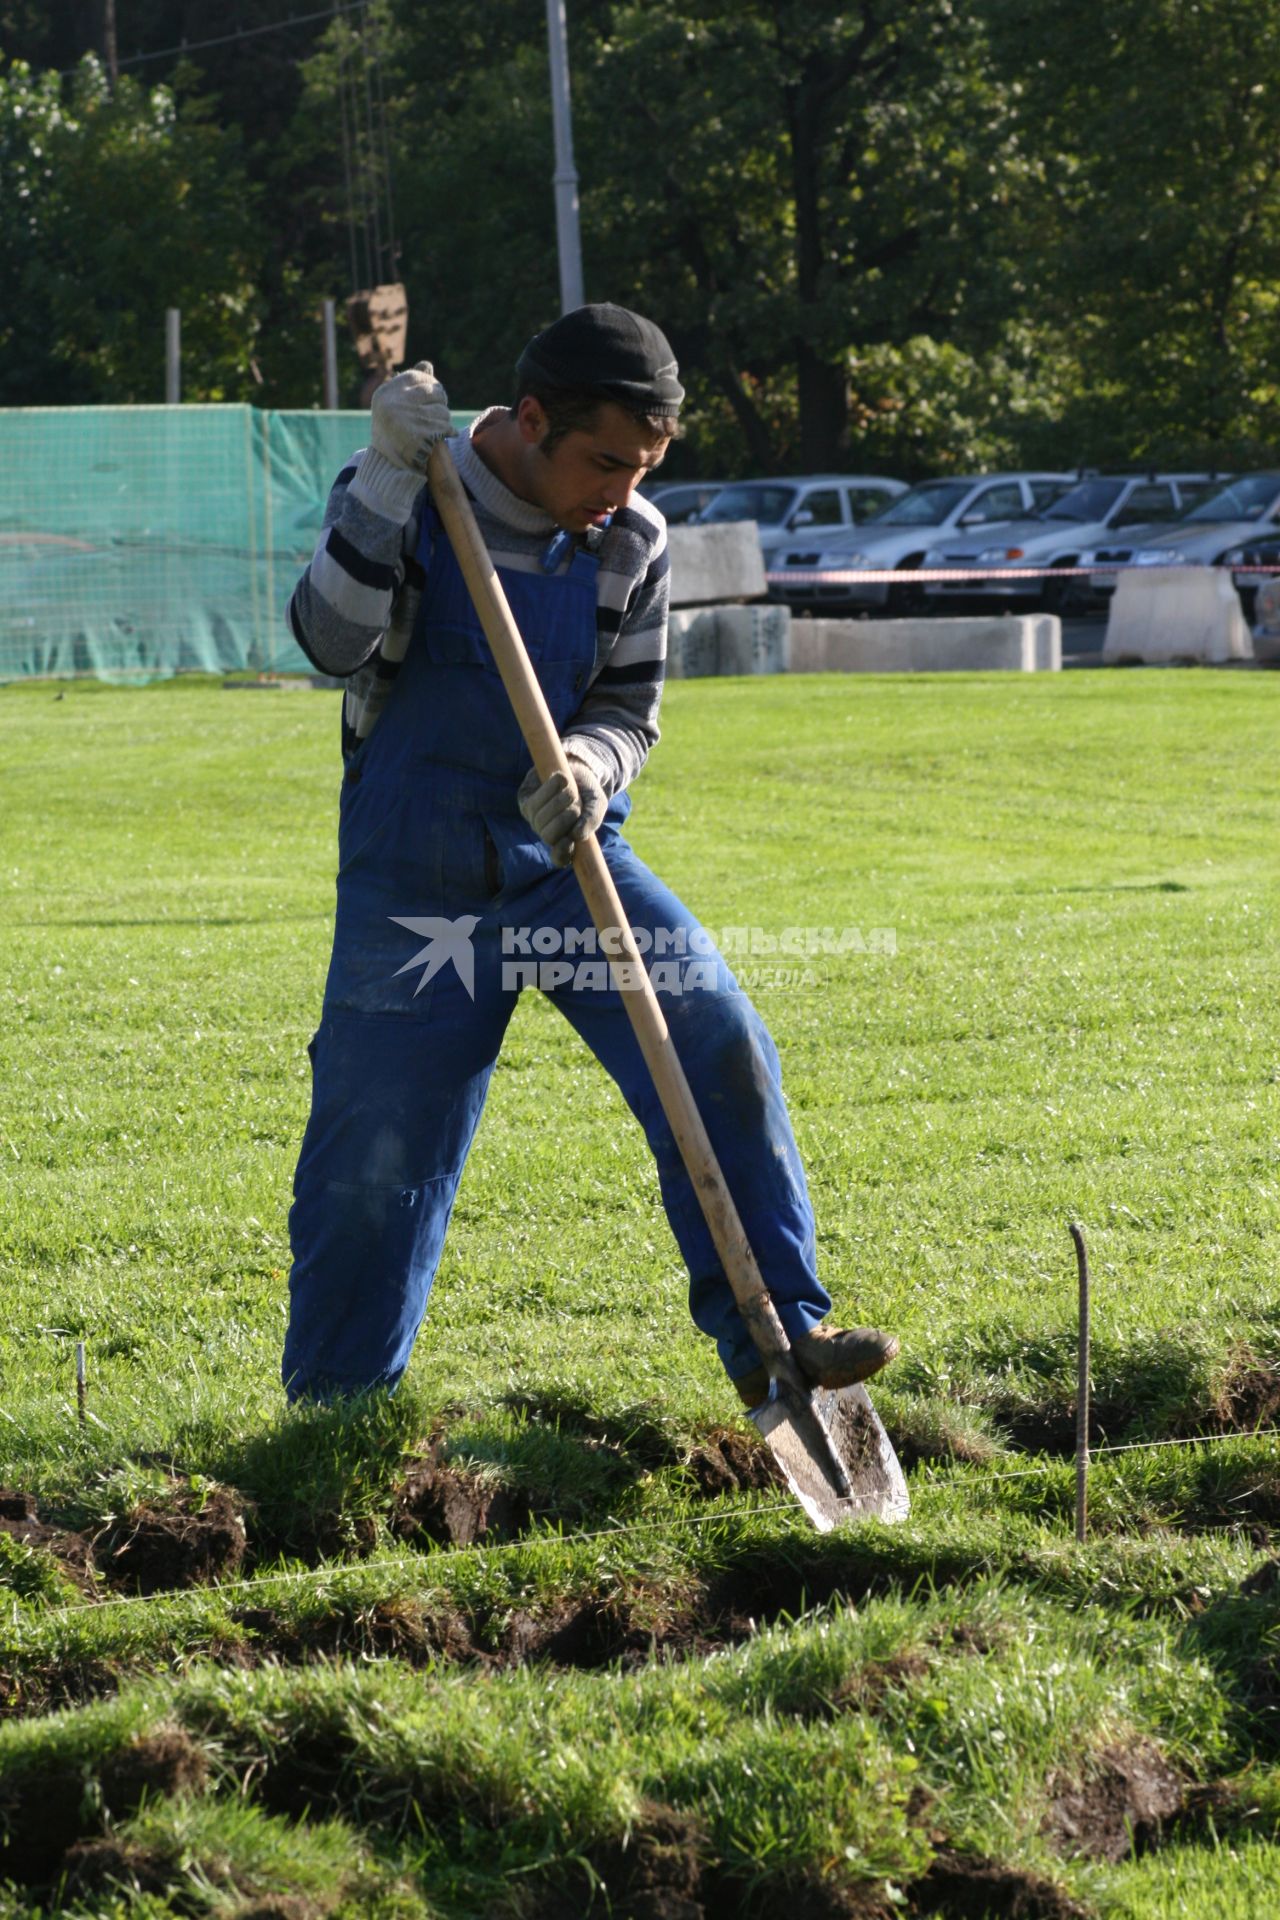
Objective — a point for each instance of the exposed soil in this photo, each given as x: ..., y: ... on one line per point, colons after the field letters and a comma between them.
x: 662, y: 1872
x: 73, y: 1554
x: 1241, y: 1501
x: 48, y: 1809
x: 1264, y: 1581
x: 867, y: 1685
x: 632, y: 1629
x: 1119, y: 1808
x: 1248, y: 1395
x: 305, y: 1777
x: 189, y: 1538
x: 449, y: 1506
x: 442, y: 1502
x: 947, y: 1449
x: 963, y: 1886
x: 1246, y: 1398
x: 733, y: 1460
x: 192, y: 1539
x: 655, y: 1875
x: 109, y: 1866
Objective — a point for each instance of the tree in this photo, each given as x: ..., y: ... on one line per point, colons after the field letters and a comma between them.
x: 111, y: 210
x: 793, y: 191
x: 1153, y: 219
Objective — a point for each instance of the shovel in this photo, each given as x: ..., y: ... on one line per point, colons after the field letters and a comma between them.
x: 830, y: 1445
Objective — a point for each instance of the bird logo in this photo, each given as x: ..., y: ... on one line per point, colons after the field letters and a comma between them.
x: 446, y: 940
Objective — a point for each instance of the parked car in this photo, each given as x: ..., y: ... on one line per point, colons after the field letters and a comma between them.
x: 680, y: 501
x: 1254, y: 564
x: 901, y: 534
x: 1086, y: 513
x: 1246, y: 506
x: 781, y: 508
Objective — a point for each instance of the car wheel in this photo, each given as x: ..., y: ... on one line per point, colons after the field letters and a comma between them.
x: 909, y: 598
x: 1059, y: 595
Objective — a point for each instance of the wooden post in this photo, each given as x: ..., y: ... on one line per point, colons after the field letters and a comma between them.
x: 1082, y: 1387
x: 82, y: 1383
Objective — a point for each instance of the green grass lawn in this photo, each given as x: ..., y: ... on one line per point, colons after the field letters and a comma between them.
x: 658, y: 1682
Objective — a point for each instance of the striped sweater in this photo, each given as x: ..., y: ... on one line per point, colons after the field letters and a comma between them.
x: 353, y: 610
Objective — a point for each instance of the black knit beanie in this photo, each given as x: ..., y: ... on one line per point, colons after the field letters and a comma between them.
x: 607, y: 350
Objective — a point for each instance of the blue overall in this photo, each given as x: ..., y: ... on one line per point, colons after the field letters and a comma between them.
x: 429, y: 829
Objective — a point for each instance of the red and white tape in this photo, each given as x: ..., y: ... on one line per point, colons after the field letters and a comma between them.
x: 904, y: 576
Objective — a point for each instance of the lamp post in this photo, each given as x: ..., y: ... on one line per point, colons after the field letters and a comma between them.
x: 568, y: 239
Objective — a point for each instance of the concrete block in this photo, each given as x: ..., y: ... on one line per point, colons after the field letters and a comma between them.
x: 754, y: 639
x: 1164, y: 614
x: 1266, y: 630
x: 693, y: 643
x: 716, y: 563
x: 1018, y: 643
x: 708, y: 640
x: 1046, y: 642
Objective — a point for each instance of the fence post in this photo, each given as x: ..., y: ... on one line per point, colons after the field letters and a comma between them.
x: 172, y: 356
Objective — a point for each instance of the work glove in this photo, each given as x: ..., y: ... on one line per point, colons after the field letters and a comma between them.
x: 563, y: 813
x: 410, y: 413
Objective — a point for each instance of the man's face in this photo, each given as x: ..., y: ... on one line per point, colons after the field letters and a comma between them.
x: 590, y: 473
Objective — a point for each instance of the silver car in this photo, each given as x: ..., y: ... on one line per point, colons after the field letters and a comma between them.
x: 1247, y: 506
x: 679, y: 501
x: 825, y: 502
x: 1099, y: 506
x: 899, y: 536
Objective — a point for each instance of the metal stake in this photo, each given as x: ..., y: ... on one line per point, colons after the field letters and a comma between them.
x: 82, y: 1383
x: 1082, y: 1387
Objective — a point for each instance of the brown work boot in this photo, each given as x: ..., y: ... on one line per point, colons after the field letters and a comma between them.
x: 829, y: 1357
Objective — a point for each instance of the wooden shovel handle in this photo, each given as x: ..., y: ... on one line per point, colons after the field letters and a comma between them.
x: 542, y: 738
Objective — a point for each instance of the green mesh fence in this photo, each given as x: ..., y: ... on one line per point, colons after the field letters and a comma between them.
x: 152, y: 540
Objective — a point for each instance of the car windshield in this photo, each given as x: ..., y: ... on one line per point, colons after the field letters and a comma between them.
x: 1245, y: 499
x: 766, y: 504
x: 1091, y: 500
x: 927, y: 505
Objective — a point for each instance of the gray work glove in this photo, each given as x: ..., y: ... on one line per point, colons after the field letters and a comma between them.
x: 562, y: 814
x: 410, y: 413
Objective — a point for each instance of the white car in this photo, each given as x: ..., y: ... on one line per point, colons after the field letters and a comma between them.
x: 901, y: 534
x: 1099, y: 506
x: 827, y: 502
x: 1242, y: 509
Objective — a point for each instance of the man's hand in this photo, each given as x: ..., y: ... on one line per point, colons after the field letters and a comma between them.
x: 410, y: 413
x: 562, y: 812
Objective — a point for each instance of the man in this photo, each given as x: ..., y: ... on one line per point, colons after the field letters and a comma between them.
x: 446, y: 832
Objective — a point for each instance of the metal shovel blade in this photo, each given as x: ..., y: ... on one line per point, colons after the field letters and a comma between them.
x: 860, y: 1442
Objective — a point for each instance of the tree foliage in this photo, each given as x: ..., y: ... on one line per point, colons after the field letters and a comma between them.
x: 914, y: 235
x: 113, y: 208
